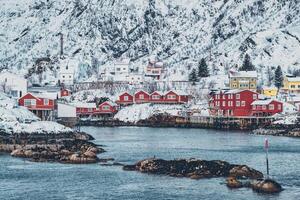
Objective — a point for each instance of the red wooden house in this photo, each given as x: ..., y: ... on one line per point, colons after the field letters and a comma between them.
x: 267, y: 107
x: 125, y: 99
x: 175, y: 97
x: 41, y: 105
x: 232, y: 102
x: 141, y: 97
x: 106, y: 107
x: 85, y: 109
x: 65, y: 92
x: 156, y: 97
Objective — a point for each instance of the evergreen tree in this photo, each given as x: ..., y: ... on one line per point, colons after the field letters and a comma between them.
x: 278, y: 77
x: 203, y: 68
x: 247, y: 64
x: 193, y: 76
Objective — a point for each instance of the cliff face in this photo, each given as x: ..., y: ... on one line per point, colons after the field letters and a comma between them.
x: 179, y: 32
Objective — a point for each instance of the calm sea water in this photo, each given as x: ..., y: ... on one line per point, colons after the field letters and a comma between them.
x: 20, y: 179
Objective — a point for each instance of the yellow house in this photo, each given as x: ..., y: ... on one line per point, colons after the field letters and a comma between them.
x: 243, y: 80
x: 291, y: 84
x: 269, y: 91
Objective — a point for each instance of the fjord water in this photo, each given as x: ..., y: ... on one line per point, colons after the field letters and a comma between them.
x: 20, y: 179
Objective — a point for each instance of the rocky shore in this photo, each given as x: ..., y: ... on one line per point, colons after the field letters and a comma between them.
x: 199, y: 169
x: 288, y: 132
x: 70, y: 147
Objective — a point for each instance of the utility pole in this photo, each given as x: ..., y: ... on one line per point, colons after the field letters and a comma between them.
x: 267, y: 156
x: 61, y: 44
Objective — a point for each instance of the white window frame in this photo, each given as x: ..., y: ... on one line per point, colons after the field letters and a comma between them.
x: 237, y: 103
x: 238, y: 96
x: 243, y: 103
x: 254, y: 96
x: 46, y: 102
x: 224, y: 103
x: 279, y: 107
x: 171, y: 96
x: 106, y: 107
x: 126, y: 98
x: 141, y: 96
x: 271, y: 107
x: 264, y: 107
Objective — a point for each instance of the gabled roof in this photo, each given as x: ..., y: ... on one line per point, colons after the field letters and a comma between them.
x: 141, y: 91
x: 234, y: 91
x: 178, y: 92
x: 129, y: 93
x: 109, y: 102
x: 158, y: 92
x: 243, y: 74
x: 262, y: 102
x: 28, y: 93
x: 83, y: 105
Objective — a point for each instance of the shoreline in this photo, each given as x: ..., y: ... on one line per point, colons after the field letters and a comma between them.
x: 273, y: 130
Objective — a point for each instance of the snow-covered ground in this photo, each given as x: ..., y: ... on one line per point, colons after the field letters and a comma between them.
x: 137, y: 112
x: 15, y: 119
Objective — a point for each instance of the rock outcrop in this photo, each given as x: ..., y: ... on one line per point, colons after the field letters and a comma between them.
x: 192, y: 168
x: 74, y: 148
x: 238, y: 176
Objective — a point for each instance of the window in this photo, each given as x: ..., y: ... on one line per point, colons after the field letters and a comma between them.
x: 155, y: 97
x: 63, y: 76
x: 298, y: 86
x: 243, y: 103
x: 238, y: 96
x: 254, y: 107
x: 141, y: 96
x: 171, y: 97
x: 230, y: 103
x: 46, y: 101
x: 118, y: 69
x: 279, y: 106
x: 224, y: 104
x: 105, y: 107
x: 90, y: 109
x: 29, y: 102
x: 271, y: 107
x: 264, y: 107
x: 126, y: 98
x: 223, y: 96
x: 254, y: 96
x: 238, y: 103
x: 293, y: 86
x: 70, y: 76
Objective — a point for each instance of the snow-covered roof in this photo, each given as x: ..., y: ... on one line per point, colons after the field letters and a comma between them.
x: 110, y: 103
x: 140, y: 91
x: 84, y: 105
x: 293, y: 79
x: 158, y: 92
x: 262, y: 102
x: 179, y: 92
x: 243, y: 74
x: 45, y: 95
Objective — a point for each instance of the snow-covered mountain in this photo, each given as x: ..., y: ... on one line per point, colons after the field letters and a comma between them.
x: 177, y: 32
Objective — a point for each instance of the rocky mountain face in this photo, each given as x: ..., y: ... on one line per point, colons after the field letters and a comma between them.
x: 177, y: 32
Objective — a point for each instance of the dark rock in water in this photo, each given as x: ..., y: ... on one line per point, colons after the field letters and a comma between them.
x: 72, y: 148
x: 195, y: 169
x: 243, y: 171
x: 232, y: 182
x: 266, y: 186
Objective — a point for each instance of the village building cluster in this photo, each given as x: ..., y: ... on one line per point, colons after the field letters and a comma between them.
x: 241, y: 98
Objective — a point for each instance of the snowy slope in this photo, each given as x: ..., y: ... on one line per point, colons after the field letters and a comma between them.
x: 179, y: 32
x: 137, y: 112
x: 12, y: 118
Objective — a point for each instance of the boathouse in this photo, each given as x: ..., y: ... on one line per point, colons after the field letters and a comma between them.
x: 106, y: 107
x: 232, y: 102
x: 141, y: 97
x: 85, y: 109
x: 125, y: 98
x: 40, y: 104
x: 266, y: 107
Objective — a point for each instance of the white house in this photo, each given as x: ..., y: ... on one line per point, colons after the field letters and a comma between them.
x: 13, y: 84
x: 67, y: 72
x: 121, y: 67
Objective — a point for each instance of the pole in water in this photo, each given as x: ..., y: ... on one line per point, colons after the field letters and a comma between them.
x: 267, y: 159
